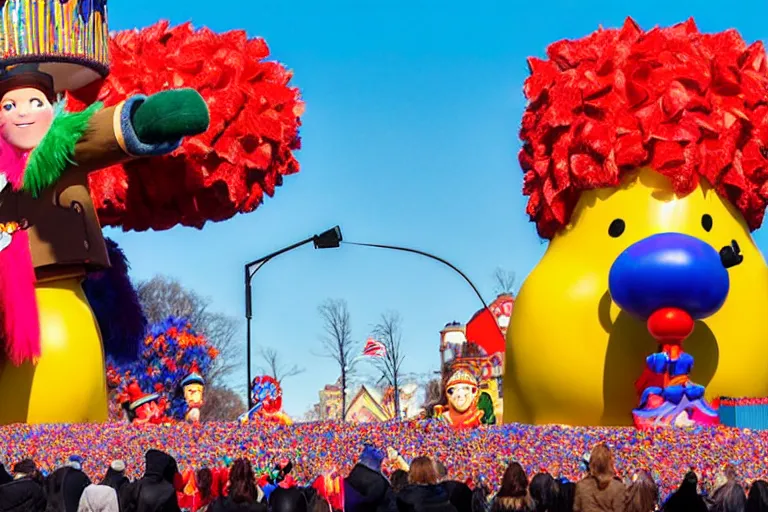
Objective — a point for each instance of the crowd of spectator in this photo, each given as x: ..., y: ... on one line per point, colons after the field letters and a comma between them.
x: 421, y: 485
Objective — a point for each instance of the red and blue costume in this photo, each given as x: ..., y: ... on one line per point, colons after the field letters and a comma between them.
x: 665, y: 388
x: 670, y: 280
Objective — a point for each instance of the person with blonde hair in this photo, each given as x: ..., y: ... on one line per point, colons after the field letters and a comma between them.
x: 600, y: 491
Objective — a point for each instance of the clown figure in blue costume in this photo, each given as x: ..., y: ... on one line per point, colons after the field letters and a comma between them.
x: 670, y: 280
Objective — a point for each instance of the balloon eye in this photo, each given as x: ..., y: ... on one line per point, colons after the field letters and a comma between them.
x: 706, y: 222
x: 616, y: 228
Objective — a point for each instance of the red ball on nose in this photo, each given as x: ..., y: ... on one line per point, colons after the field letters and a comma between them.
x: 670, y: 325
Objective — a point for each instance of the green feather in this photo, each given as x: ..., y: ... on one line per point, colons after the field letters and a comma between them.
x: 48, y: 160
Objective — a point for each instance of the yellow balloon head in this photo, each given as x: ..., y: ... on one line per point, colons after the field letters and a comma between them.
x: 573, y: 357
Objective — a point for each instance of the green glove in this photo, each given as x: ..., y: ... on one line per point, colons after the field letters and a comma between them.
x: 170, y: 115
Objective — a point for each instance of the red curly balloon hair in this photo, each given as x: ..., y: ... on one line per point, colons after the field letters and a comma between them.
x: 687, y: 104
x: 244, y: 155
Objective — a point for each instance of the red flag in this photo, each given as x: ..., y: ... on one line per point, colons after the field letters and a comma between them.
x: 374, y: 348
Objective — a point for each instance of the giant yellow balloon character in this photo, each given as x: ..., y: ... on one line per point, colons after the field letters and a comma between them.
x: 630, y: 134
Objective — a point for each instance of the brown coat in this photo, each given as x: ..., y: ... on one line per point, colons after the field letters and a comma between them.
x: 590, y: 498
x: 64, y: 232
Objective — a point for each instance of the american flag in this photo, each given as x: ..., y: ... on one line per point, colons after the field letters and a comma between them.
x: 374, y: 348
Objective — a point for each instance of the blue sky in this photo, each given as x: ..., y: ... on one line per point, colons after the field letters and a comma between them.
x: 409, y: 138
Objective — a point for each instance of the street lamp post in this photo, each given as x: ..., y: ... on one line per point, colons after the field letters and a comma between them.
x: 326, y: 240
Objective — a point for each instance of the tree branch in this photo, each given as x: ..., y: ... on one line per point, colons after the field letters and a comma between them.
x: 337, y: 342
x: 161, y: 297
x: 504, y: 281
x: 274, y: 368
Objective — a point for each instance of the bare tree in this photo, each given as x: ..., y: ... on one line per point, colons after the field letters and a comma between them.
x: 338, y: 343
x: 504, y: 281
x: 312, y: 414
x: 221, y: 404
x: 274, y: 368
x: 389, y: 333
x: 161, y: 297
x: 433, y: 395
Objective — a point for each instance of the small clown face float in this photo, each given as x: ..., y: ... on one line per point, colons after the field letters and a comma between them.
x: 193, y: 387
x: 461, y: 391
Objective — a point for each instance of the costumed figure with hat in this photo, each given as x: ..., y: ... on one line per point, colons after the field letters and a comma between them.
x: 50, y: 232
x: 143, y: 408
x: 82, y: 143
x: 193, y: 387
x: 462, y: 393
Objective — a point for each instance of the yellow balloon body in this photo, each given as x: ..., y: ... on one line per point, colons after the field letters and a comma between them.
x: 573, y: 357
x: 68, y: 383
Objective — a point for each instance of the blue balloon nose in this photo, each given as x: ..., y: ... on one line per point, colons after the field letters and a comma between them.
x: 669, y: 270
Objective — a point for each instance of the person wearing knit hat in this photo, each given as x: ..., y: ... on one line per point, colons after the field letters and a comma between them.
x: 25, y: 493
x: 115, y: 476
x: 366, y: 488
x: 24, y: 469
x: 75, y: 462
x: 5, y: 476
x: 372, y: 457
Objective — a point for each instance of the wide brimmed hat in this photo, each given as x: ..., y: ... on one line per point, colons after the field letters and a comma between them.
x: 461, y: 377
x: 68, y: 39
x: 26, y: 75
x: 193, y: 378
x: 137, y: 397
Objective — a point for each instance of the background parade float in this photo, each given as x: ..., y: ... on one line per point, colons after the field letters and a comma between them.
x: 645, y: 166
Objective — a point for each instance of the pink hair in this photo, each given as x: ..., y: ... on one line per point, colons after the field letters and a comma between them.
x: 18, y: 302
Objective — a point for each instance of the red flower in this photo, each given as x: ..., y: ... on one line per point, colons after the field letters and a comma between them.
x: 687, y: 104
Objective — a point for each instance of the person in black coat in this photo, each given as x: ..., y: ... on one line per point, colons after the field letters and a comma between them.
x: 459, y: 494
x: 25, y: 493
x: 289, y: 500
x: 155, y: 491
x: 757, y: 501
x: 115, y: 476
x: 5, y: 476
x: 64, y: 488
x: 686, y: 498
x: 424, y: 494
x: 366, y: 489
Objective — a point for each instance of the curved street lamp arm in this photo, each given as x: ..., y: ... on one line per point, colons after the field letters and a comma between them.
x: 431, y: 256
